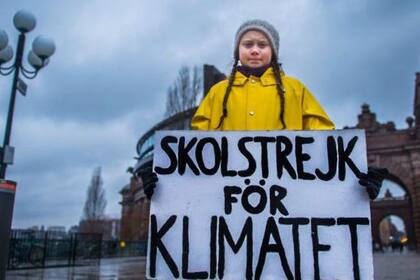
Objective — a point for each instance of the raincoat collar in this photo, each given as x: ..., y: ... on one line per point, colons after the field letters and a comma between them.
x: 267, y: 79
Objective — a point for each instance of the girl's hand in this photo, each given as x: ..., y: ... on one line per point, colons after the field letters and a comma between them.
x: 149, y: 184
x: 373, y: 180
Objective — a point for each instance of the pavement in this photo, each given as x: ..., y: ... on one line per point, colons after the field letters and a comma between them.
x: 118, y: 268
x: 388, y: 266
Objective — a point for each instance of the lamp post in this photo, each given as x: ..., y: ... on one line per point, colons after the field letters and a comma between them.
x: 38, y: 57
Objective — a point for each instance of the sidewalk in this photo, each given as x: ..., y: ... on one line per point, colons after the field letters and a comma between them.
x: 118, y: 268
x: 388, y: 266
x: 405, y: 266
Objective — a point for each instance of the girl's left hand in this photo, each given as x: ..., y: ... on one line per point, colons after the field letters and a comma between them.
x: 373, y: 180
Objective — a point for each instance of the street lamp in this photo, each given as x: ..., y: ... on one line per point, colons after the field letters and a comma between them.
x: 42, y: 49
x: 38, y: 57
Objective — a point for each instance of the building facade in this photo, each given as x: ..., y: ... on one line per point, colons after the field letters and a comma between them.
x: 398, y: 150
x: 109, y: 228
x: 135, y: 211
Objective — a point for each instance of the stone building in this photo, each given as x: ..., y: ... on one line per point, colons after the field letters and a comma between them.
x: 135, y: 211
x: 108, y: 227
x: 395, y: 149
x: 398, y: 150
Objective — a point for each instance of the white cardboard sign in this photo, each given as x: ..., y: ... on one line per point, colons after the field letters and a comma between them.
x: 260, y: 205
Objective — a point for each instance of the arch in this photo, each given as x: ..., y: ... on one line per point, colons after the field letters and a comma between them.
x: 398, y: 173
x: 392, y: 190
x: 392, y: 232
x: 396, y: 179
x: 394, y: 206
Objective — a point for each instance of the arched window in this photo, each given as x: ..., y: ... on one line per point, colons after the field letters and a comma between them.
x: 392, y: 233
x: 391, y: 191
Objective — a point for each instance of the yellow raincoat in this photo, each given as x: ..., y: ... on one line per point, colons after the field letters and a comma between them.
x: 254, y: 104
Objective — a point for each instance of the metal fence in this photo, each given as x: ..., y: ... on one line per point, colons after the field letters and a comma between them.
x: 115, y: 249
x: 39, y: 249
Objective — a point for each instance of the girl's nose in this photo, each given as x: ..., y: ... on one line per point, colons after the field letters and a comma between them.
x: 255, y: 50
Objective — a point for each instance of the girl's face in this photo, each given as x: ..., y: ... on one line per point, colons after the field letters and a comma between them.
x: 254, y: 49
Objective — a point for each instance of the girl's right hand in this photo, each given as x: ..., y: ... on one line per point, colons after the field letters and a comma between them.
x: 149, y: 184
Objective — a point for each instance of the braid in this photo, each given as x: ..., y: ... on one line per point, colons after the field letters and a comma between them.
x: 280, y: 90
x: 228, y: 90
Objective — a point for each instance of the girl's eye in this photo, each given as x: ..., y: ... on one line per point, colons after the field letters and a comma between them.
x: 251, y: 44
x: 248, y: 45
x: 262, y: 44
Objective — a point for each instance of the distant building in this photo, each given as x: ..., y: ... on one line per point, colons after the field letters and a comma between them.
x: 57, y: 228
x: 135, y: 211
x: 36, y: 232
x: 113, y: 228
x: 109, y: 228
x: 56, y: 232
x: 34, y: 228
x: 73, y: 229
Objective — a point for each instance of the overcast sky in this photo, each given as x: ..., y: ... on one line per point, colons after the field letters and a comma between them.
x: 105, y: 85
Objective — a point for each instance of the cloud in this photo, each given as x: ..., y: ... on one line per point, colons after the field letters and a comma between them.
x: 54, y: 165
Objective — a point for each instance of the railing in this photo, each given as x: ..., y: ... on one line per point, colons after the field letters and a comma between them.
x: 116, y: 249
x: 40, y: 249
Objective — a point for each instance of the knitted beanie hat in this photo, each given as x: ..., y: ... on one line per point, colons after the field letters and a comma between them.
x: 262, y: 26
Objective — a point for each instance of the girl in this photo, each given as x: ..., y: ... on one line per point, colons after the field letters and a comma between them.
x: 258, y: 96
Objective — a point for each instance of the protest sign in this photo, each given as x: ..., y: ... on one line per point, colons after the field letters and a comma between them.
x: 260, y: 205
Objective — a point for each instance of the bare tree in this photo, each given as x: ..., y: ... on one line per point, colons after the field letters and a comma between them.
x: 182, y: 95
x: 95, y: 201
